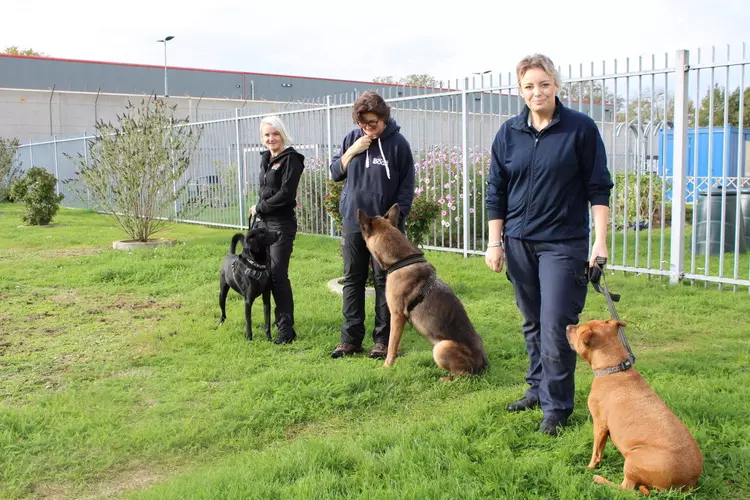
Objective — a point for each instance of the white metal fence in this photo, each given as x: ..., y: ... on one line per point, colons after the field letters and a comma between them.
x: 674, y: 129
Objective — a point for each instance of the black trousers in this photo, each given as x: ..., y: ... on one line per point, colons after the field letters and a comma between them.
x: 281, y: 253
x: 550, y: 281
x: 357, y: 260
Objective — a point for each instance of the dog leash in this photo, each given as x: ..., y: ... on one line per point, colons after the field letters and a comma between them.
x: 596, y: 277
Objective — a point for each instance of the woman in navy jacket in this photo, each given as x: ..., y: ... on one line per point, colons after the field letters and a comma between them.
x: 548, y: 165
x: 281, y: 167
x: 377, y: 167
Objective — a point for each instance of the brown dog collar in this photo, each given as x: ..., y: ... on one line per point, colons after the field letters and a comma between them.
x: 620, y: 367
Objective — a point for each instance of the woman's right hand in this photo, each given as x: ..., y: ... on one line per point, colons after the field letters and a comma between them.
x: 495, y: 258
x: 360, y: 145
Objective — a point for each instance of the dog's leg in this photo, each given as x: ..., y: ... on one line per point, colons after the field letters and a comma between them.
x: 248, y: 323
x: 600, y: 439
x: 398, y: 320
x: 223, y: 291
x: 267, y: 311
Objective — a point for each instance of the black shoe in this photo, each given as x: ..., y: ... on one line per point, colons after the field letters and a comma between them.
x: 523, y: 404
x: 285, y: 338
x: 346, y: 350
x: 552, y: 426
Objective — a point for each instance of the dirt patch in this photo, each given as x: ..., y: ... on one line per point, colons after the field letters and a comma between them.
x: 130, y: 303
x: 114, y: 486
x: 37, y: 317
x: 70, y: 252
x: 68, y: 297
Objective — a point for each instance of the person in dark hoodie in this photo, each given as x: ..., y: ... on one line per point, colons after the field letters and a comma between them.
x: 280, y: 171
x: 377, y: 167
x: 548, y: 164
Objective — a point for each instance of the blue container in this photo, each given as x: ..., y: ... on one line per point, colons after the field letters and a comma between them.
x: 703, y: 165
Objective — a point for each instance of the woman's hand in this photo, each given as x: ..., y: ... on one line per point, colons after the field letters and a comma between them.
x: 252, y: 210
x: 599, y: 249
x: 495, y: 258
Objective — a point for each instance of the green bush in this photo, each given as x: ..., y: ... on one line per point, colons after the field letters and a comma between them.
x: 639, y: 206
x: 8, y: 151
x: 37, y: 191
x: 424, y: 212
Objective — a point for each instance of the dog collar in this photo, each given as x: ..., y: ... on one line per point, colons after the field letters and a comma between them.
x: 412, y: 259
x: 620, y: 367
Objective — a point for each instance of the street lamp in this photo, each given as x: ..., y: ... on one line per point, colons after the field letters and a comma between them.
x: 481, y: 75
x: 164, y: 41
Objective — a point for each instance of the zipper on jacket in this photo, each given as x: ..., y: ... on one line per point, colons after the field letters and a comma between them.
x: 530, y: 190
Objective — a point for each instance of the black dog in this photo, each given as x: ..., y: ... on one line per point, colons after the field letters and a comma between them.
x: 249, y: 274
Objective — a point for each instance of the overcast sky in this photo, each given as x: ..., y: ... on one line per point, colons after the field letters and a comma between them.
x: 363, y: 40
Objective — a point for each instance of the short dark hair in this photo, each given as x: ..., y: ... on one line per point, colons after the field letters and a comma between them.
x: 370, y: 102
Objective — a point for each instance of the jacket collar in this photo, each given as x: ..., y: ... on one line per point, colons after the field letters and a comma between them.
x: 522, y: 120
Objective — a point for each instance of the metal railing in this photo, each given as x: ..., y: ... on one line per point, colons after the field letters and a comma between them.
x: 670, y: 133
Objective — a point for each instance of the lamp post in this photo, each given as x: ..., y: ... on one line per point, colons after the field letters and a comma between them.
x: 481, y: 75
x: 164, y: 41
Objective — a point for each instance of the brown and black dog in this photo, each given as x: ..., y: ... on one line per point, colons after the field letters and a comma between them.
x: 659, y: 450
x: 415, y: 294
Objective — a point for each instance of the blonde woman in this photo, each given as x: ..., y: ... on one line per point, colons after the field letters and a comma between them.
x: 548, y: 165
x: 281, y: 167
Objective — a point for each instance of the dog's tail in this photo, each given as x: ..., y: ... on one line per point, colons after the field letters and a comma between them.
x: 235, y: 239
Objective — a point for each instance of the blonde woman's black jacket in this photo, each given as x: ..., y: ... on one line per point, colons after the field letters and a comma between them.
x: 279, y: 178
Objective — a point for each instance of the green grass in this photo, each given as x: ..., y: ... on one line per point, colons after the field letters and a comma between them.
x: 116, y: 383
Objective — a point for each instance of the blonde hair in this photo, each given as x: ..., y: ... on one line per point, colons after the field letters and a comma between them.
x: 277, y: 124
x: 539, y: 61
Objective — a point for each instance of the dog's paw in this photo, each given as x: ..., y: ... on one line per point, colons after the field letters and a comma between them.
x: 388, y: 362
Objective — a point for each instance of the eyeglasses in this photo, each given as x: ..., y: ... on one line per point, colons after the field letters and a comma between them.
x: 371, y: 123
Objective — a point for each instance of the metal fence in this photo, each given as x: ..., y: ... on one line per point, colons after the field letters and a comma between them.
x: 673, y: 129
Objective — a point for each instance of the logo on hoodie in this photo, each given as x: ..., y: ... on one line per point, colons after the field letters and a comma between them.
x: 275, y: 166
x: 380, y: 161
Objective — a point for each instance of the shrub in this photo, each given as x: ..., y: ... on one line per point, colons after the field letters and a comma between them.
x: 424, y: 212
x: 134, y: 170
x: 37, y: 191
x: 639, y: 206
x: 8, y: 152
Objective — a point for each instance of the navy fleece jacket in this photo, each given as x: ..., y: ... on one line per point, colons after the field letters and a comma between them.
x: 377, y: 178
x: 541, y: 183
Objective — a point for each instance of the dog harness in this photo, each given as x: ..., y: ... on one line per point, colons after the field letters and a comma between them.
x: 596, y: 277
x: 429, y: 285
x: 255, y: 271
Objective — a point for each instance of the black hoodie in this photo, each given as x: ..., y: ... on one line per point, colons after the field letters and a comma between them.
x: 377, y: 178
x: 279, y: 178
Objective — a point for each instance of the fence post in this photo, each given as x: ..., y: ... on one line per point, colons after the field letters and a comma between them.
x: 239, y: 165
x: 330, y: 153
x: 86, y: 157
x: 465, y: 166
x: 57, y: 175
x: 679, y: 167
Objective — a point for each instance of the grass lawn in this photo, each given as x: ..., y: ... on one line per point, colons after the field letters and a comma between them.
x: 115, y: 382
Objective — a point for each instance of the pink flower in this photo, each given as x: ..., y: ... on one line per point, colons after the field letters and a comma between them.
x: 441, y: 201
x: 444, y: 213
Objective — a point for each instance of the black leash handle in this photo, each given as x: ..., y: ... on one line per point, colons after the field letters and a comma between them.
x: 596, y: 276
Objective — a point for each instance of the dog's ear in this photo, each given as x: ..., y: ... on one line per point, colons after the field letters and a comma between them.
x: 586, y: 337
x: 393, y: 214
x: 364, y: 220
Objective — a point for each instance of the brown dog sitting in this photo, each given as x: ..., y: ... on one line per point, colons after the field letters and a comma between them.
x: 415, y: 294
x: 659, y: 450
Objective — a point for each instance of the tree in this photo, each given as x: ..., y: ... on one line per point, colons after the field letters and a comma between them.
x: 15, y: 51
x: 8, y: 152
x: 592, y: 92
x: 134, y: 169
x: 717, y: 119
x: 413, y: 80
x: 647, y: 115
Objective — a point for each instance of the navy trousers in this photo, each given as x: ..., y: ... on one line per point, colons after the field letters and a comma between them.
x: 550, y: 282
